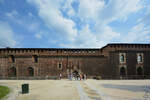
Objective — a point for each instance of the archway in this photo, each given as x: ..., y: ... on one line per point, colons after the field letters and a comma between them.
x: 75, y: 72
x: 122, y: 71
x: 139, y: 71
x: 12, y: 72
x: 30, y: 71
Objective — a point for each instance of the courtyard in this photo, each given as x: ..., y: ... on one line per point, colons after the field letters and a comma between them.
x: 79, y: 90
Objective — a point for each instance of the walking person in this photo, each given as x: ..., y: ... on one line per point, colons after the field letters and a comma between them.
x: 60, y: 76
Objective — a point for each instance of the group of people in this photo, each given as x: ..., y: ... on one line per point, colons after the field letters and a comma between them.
x: 75, y: 76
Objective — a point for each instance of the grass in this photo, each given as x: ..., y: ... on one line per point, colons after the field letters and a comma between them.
x: 3, y: 91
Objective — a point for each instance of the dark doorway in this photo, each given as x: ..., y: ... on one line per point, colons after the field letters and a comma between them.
x: 75, y: 72
x: 12, y: 72
x: 122, y: 71
x: 139, y: 71
x: 30, y: 71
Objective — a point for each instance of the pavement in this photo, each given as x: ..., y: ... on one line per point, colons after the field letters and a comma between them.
x: 79, y: 90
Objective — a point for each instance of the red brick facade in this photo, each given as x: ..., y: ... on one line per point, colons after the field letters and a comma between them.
x: 110, y: 61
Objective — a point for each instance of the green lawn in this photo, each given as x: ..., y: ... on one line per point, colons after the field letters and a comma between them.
x: 3, y: 91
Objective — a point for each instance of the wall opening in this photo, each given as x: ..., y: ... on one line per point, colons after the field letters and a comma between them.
x: 12, y: 72
x: 30, y: 71
x: 139, y: 71
x: 122, y: 71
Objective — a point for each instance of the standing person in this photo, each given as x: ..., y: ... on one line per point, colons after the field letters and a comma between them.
x: 85, y: 76
x: 80, y: 76
x: 60, y: 76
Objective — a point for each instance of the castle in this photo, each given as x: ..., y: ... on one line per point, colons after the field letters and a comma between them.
x: 113, y: 61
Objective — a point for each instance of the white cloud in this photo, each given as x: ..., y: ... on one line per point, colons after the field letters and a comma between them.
x: 39, y: 36
x: 119, y: 9
x: 17, y: 18
x: 7, y: 37
x: 90, y: 8
x: 49, y: 12
x: 87, y: 38
x: 12, y: 14
x: 68, y: 8
x: 96, y: 12
x: 139, y: 33
x: 33, y: 26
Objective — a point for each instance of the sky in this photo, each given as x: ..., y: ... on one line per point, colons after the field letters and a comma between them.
x: 73, y: 23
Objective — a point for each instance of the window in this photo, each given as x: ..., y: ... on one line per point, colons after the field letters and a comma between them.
x: 122, y: 71
x: 35, y: 59
x: 139, y: 57
x: 12, y: 59
x: 139, y: 70
x: 30, y: 71
x: 12, y: 72
x: 122, y: 57
x: 59, y: 65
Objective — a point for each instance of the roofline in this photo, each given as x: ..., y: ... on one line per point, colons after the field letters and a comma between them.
x: 8, y: 48
x: 50, y: 48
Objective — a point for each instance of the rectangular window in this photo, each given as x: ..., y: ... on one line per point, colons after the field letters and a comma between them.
x: 11, y: 58
x: 35, y: 58
x: 140, y: 58
x: 122, y: 57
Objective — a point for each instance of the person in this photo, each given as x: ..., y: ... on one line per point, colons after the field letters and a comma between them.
x: 60, y: 76
x: 80, y: 76
x: 85, y: 76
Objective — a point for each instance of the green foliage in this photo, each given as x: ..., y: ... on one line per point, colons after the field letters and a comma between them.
x: 3, y: 91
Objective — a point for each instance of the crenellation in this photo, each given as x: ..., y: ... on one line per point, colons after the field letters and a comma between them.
x: 105, y: 61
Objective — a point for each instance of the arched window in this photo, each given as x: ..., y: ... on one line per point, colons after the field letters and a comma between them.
x: 30, y: 71
x: 59, y: 65
x: 122, y: 71
x: 139, y: 71
x: 12, y: 72
x: 122, y: 58
x: 139, y: 58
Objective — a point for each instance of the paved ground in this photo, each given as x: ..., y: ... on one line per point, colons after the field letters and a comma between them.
x: 80, y: 90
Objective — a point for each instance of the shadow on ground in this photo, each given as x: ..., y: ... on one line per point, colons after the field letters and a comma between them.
x: 133, y: 88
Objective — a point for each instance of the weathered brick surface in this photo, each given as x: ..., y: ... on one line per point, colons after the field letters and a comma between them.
x: 93, y: 62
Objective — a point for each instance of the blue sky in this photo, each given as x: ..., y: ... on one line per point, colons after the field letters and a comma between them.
x: 73, y: 23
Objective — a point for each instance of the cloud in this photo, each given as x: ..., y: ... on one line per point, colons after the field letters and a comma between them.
x: 49, y: 12
x: 29, y: 22
x: 7, y: 38
x: 90, y: 8
x: 141, y: 31
x: 12, y: 14
x: 119, y: 9
x: 87, y: 25
x: 39, y: 36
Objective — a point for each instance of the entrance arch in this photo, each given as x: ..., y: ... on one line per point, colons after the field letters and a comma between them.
x: 75, y: 72
x: 122, y: 71
x: 30, y: 71
x: 139, y: 71
x: 12, y: 72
